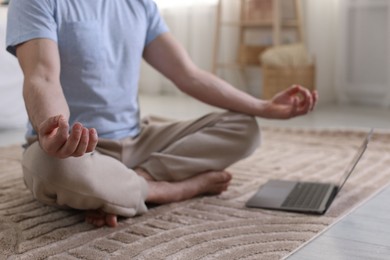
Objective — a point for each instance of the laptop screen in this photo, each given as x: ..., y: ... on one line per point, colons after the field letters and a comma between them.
x: 355, y: 160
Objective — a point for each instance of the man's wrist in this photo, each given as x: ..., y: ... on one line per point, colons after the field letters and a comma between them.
x: 261, y: 108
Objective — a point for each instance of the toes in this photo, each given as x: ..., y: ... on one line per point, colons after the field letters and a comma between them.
x: 227, y: 176
x: 98, y: 222
x: 95, y: 221
x: 217, y: 176
x: 100, y: 218
x: 111, y: 220
x: 223, y: 177
x: 218, y: 188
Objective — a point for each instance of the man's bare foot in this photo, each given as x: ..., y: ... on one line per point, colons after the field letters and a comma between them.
x: 161, y: 192
x: 99, y: 218
x: 209, y: 183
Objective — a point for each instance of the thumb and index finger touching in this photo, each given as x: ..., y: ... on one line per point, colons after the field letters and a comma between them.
x: 49, y: 125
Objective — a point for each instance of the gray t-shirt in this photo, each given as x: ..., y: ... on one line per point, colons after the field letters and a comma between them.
x: 101, y: 44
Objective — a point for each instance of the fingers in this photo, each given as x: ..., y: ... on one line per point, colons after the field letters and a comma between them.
x: 93, y: 139
x: 83, y: 143
x: 55, y: 139
x: 87, y: 142
x: 53, y: 133
x: 293, y: 90
x: 63, y: 129
x: 308, y: 100
x: 315, y: 98
x: 294, y: 107
x: 294, y: 101
x: 49, y: 125
x: 80, y: 141
x: 73, y: 142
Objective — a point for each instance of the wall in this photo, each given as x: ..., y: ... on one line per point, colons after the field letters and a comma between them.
x: 363, y: 59
x: 322, y: 26
x: 194, y: 25
x: 12, y: 111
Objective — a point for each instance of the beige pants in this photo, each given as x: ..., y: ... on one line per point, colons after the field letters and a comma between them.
x: 170, y: 151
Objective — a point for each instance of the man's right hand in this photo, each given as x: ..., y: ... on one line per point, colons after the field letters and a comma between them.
x: 55, y: 139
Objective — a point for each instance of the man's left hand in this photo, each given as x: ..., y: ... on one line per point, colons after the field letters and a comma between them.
x: 292, y: 102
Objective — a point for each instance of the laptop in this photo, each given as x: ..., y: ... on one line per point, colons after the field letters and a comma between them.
x: 303, y: 197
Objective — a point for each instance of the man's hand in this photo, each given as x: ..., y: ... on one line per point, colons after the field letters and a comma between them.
x: 55, y: 139
x: 292, y: 102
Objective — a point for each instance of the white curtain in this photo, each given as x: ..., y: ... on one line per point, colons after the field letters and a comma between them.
x: 363, y: 63
x: 350, y: 40
x: 322, y: 29
x: 12, y: 111
x: 192, y: 22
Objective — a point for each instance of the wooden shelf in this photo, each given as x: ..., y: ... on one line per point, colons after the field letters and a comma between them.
x: 249, y: 54
x: 234, y: 65
x: 267, y: 24
x: 265, y: 15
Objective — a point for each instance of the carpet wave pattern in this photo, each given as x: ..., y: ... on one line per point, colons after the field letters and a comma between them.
x: 214, y: 227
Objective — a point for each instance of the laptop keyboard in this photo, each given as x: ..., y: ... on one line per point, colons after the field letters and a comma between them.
x: 306, y: 195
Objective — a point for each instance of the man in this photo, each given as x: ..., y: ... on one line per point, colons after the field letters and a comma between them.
x: 87, y: 148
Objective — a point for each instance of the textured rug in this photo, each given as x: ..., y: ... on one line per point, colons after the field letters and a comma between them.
x: 217, y: 227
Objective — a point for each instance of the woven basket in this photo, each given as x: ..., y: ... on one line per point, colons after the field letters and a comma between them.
x: 278, y: 79
x: 248, y: 54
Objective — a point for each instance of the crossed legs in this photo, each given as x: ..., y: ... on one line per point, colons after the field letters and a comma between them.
x: 172, y: 161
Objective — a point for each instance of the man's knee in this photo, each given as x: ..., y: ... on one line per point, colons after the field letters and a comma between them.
x: 93, y: 181
x: 47, y: 176
x: 247, y: 130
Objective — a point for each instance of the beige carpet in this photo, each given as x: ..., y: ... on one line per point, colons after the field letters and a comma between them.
x: 203, y: 228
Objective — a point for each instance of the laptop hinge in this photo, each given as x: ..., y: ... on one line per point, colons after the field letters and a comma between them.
x: 335, y: 190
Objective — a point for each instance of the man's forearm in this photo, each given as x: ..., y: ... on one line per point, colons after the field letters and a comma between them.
x: 43, y: 99
x: 210, y: 89
x: 166, y: 55
x: 42, y: 92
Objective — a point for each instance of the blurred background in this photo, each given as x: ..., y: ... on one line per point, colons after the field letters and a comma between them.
x: 339, y: 47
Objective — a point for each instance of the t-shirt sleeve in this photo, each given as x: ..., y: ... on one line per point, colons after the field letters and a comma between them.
x: 156, y: 24
x: 29, y: 19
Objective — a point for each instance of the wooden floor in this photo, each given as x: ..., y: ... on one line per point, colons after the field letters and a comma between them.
x: 363, y: 234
